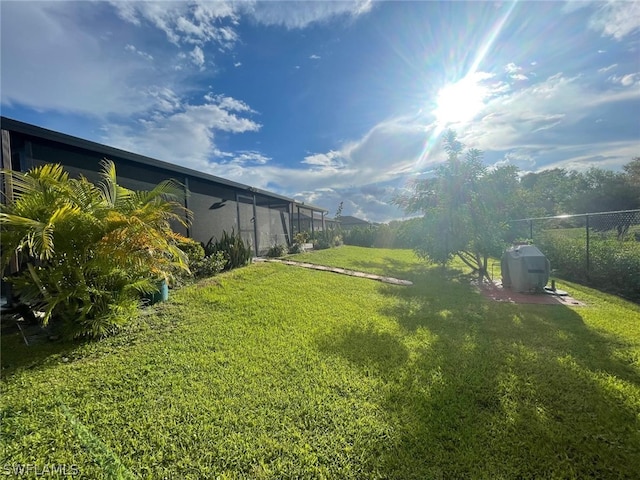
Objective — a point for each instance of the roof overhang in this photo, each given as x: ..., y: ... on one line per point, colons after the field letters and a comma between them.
x: 62, y: 138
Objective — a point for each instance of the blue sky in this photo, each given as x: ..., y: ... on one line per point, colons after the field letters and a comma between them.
x: 331, y: 101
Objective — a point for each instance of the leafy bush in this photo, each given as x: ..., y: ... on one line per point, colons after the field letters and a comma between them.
x: 613, y: 264
x: 200, y: 265
x: 210, y: 265
x: 87, y: 252
x: 236, y: 252
x: 300, y: 239
x: 385, y: 236
x: 277, y: 251
x: 360, y: 236
x: 297, y: 248
x: 396, y: 234
x: 324, y: 239
x: 195, y: 254
x: 192, y: 249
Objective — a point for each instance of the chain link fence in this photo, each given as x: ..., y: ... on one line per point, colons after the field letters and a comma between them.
x: 600, y: 249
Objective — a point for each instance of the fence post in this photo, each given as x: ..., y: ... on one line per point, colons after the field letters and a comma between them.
x: 588, y: 259
x: 531, y: 230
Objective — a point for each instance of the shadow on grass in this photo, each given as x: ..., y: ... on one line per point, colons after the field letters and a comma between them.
x: 17, y: 355
x: 496, y: 390
x: 399, y: 269
x: 369, y: 349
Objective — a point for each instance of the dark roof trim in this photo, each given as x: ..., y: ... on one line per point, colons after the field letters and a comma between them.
x: 51, y: 135
x: 351, y: 220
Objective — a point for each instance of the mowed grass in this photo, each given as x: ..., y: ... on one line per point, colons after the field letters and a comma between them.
x: 273, y: 371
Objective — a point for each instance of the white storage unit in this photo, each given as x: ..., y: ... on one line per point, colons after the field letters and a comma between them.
x: 525, y: 269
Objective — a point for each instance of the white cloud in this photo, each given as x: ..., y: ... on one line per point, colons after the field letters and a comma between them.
x: 246, y: 158
x: 70, y: 69
x: 314, y: 57
x: 165, y: 99
x: 199, y: 22
x: 133, y: 49
x: 512, y: 68
x: 294, y: 15
x: 512, y: 120
x: 228, y: 103
x: 522, y: 158
x: 237, y: 64
x: 606, y: 69
x: 608, y: 156
x: 332, y: 159
x: 184, y: 22
x: 515, y: 71
x: 630, y: 79
x: 616, y: 18
x: 185, y: 136
x: 197, y: 56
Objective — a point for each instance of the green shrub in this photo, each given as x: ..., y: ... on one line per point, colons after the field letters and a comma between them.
x: 324, y: 239
x: 277, y: 251
x: 192, y: 249
x: 195, y: 254
x: 88, y: 252
x: 236, y: 252
x: 385, y: 236
x: 200, y: 264
x: 297, y: 248
x: 613, y: 264
x: 360, y: 236
x: 210, y: 265
x: 300, y: 239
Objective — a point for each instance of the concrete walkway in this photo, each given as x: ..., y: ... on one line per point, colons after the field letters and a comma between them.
x: 342, y: 271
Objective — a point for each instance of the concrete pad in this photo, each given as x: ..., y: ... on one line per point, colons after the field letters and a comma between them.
x: 342, y: 271
x: 495, y: 291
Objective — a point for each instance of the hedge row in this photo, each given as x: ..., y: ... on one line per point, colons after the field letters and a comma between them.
x: 614, y: 266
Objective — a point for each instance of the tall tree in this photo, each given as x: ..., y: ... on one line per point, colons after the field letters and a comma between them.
x: 551, y: 192
x: 465, y: 207
x: 605, y: 191
x: 632, y: 170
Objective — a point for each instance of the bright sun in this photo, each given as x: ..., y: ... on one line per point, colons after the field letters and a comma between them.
x: 459, y: 102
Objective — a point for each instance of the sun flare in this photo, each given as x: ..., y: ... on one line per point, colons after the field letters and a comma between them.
x: 459, y: 102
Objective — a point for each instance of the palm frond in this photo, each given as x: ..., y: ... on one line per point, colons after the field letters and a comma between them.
x: 108, y: 183
x: 114, y: 195
x: 21, y: 183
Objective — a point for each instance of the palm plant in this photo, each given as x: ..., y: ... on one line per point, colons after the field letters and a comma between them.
x: 88, y: 250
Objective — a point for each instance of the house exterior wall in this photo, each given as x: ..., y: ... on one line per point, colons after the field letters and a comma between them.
x: 263, y: 219
x: 214, y: 209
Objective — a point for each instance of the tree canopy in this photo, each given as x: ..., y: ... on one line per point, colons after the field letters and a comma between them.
x: 466, y: 206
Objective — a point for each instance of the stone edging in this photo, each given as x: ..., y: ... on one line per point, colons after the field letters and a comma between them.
x: 342, y: 271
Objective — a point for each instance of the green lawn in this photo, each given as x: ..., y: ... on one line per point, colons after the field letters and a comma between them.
x: 273, y: 371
